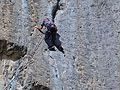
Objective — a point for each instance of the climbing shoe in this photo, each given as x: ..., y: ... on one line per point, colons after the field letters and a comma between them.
x: 63, y: 51
x: 60, y: 48
x: 52, y: 48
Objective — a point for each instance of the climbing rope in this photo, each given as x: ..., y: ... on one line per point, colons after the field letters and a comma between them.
x: 13, y: 77
x: 21, y: 67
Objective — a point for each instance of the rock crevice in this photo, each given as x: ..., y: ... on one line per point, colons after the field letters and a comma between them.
x: 55, y: 9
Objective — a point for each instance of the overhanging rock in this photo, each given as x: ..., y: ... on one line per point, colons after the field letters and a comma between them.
x: 11, y: 51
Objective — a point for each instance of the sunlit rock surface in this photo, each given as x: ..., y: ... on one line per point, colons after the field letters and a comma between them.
x: 90, y: 35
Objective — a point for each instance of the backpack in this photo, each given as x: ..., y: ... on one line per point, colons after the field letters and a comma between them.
x: 51, y: 27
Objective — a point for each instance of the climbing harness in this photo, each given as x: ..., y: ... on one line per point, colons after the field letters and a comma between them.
x: 21, y: 67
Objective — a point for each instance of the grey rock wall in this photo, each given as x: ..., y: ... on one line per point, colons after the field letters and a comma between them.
x: 98, y: 45
x: 89, y: 31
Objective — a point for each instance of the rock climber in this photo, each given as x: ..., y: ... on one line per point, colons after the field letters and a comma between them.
x: 51, y: 35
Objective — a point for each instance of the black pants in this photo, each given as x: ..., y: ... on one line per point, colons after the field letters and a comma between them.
x: 50, y: 38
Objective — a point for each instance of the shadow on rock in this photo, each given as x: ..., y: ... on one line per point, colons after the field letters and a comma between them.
x: 39, y: 87
x: 11, y: 51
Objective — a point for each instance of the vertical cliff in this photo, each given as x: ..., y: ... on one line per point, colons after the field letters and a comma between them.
x: 89, y: 31
x: 98, y: 44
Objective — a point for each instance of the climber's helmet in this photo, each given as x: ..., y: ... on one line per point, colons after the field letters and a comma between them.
x: 47, y: 19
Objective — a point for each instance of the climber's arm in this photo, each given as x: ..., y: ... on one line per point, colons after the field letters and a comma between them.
x: 39, y: 28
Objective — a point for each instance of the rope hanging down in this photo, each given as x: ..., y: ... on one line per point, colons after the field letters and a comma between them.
x: 21, y: 67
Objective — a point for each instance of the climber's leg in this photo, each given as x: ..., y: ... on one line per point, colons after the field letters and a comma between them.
x: 48, y: 39
x: 53, y: 34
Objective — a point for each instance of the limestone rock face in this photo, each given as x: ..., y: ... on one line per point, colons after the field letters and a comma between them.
x: 90, y: 35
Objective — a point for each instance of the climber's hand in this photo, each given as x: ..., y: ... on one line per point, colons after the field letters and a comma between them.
x: 39, y: 28
x: 36, y: 27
